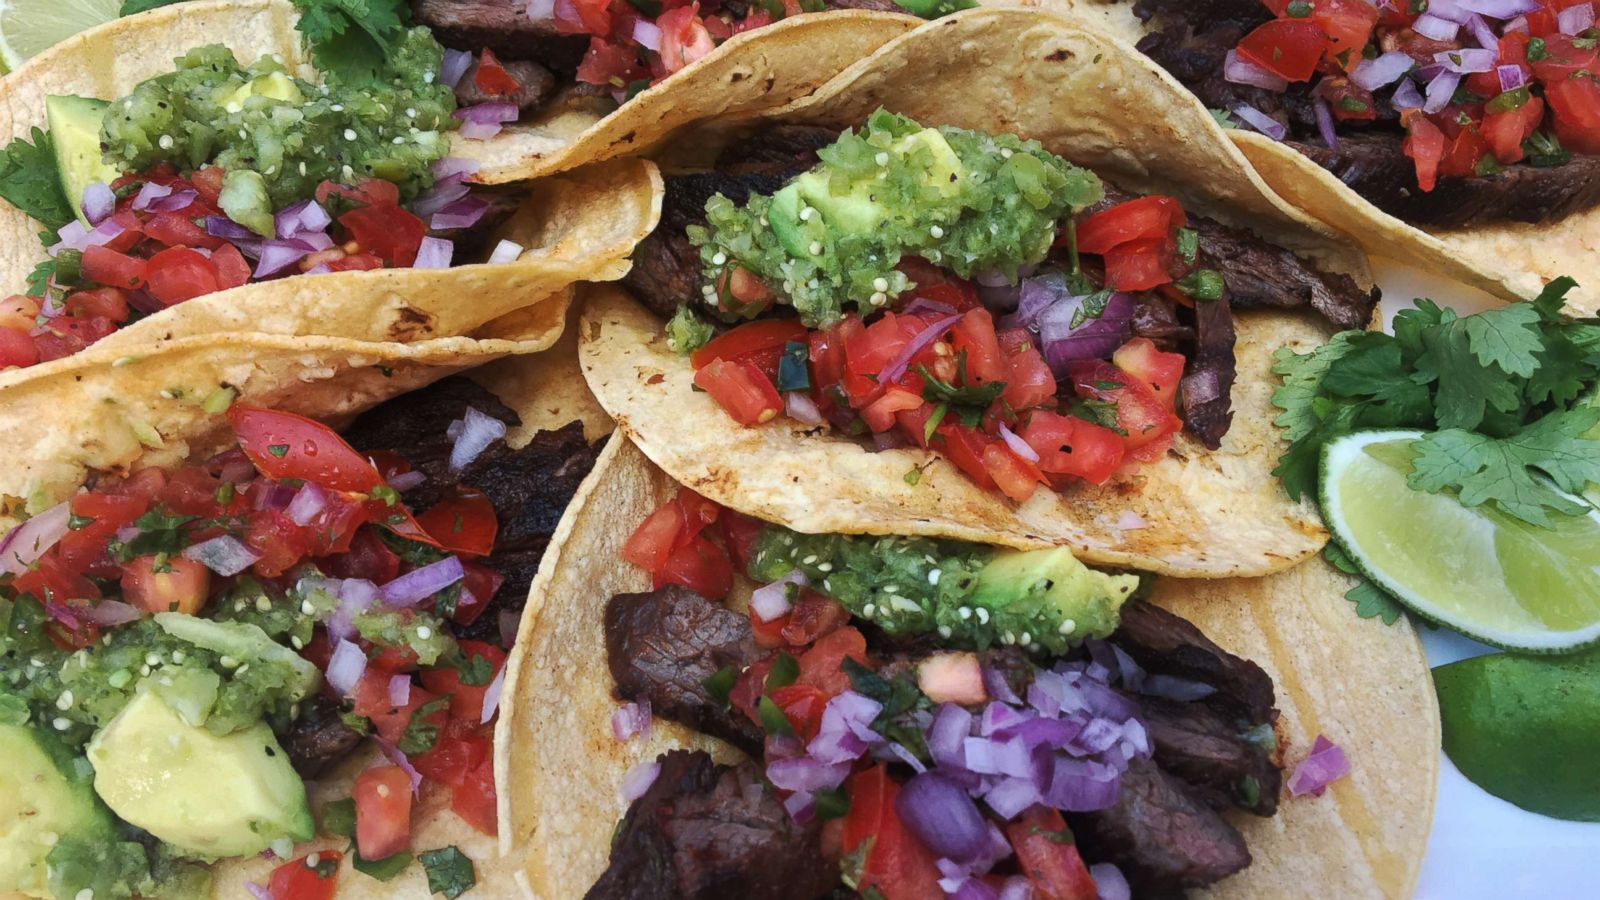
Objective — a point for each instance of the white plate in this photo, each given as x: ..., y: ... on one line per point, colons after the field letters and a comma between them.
x: 1482, y: 846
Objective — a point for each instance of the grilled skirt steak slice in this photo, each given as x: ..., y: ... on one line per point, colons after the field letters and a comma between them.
x: 318, y: 739
x: 662, y: 646
x: 1206, y: 397
x: 1164, y: 838
x: 1375, y: 166
x: 1210, y: 753
x: 1154, y: 318
x: 502, y: 26
x: 1204, y: 14
x: 535, y: 85
x: 415, y: 424
x: 704, y: 831
x: 1170, y: 645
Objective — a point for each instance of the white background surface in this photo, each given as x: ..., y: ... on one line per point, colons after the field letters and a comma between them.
x: 1483, y: 846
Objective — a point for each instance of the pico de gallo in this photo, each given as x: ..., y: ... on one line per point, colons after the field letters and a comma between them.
x: 1018, y: 383
x: 278, y: 591
x: 902, y: 771
x: 1477, y: 86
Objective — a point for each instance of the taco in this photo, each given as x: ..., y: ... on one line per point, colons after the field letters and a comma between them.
x: 942, y: 328
x: 1458, y: 135
x: 832, y: 732
x: 276, y: 669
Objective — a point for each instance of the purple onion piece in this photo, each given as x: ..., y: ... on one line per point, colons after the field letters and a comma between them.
x: 1432, y: 26
x: 1575, y: 20
x: 1237, y: 69
x: 1325, y: 764
x: 1260, y: 121
x: 455, y: 65
x: 1371, y: 74
x: 638, y: 779
x: 897, y: 366
x: 223, y: 554
x: 1109, y: 883
x: 939, y: 811
x: 434, y: 253
x: 29, y: 541
x: 99, y: 202
x: 421, y: 583
x: 1325, y: 123
x: 1440, y: 91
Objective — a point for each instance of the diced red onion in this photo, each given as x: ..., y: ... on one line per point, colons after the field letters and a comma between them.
x: 1018, y: 445
x: 1010, y: 796
x: 803, y: 773
x: 455, y: 64
x: 483, y: 121
x: 1371, y: 74
x: 1131, y: 521
x: 1499, y: 9
x: 1406, y: 96
x: 906, y: 756
x: 398, y: 757
x: 399, y: 690
x: 505, y: 251
x: 175, y: 201
x: 541, y: 10
x: 223, y: 554
x: 1109, y: 883
x: 477, y: 431
x: 897, y: 366
x: 1325, y: 765
x: 771, y: 601
x: 419, y: 584
x: 434, y: 253
x: 1239, y: 70
x: 149, y: 192
x: 308, y: 503
x: 647, y: 35
x: 1576, y: 19
x: 1511, y: 77
x: 509, y: 623
x: 632, y: 719
x: 1467, y: 60
x: 1483, y: 34
x: 491, y: 696
x: 1067, y: 333
x: 638, y: 779
x: 1079, y: 785
x: 1450, y: 10
x: 257, y: 891
x: 318, y: 269
x: 802, y: 408
x: 445, y: 191
x: 345, y: 667
x: 454, y: 165
x: 1431, y: 26
x: 98, y: 202
x: 277, y: 256
x: 29, y: 541
x: 405, y: 481
x: 111, y: 613
x: 463, y: 212
x: 1440, y: 91
x: 1260, y: 121
x: 951, y: 725
x: 1017, y: 888
x: 1325, y: 125
x: 305, y: 216
x: 939, y: 811
x: 923, y: 304
x: 1520, y: 23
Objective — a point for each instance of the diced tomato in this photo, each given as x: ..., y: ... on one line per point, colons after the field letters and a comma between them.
x: 880, y: 413
x: 964, y: 447
x: 461, y: 747
x: 354, y: 262
x: 610, y: 64
x: 828, y: 353
x: 1505, y: 131
x: 389, y: 232
x: 390, y: 721
x: 1563, y: 59
x: 898, y: 865
x: 492, y: 78
x: 1139, y: 265
x: 1152, y: 217
x: 207, y: 182
x: 684, y: 37
x: 464, y: 523
x: 19, y: 312
x: 1153, y: 368
x: 700, y: 566
x: 741, y: 389
x: 742, y: 291
x: 739, y: 535
x: 1288, y: 48
x: 383, y: 811
x: 871, y: 351
x: 113, y: 269
x: 83, y: 549
x: 298, y: 879
x: 1576, y: 104
x: 1140, y: 414
x: 760, y: 342
x: 813, y: 617
x: 395, y: 660
x: 132, y: 231
x: 1068, y: 445
x: 17, y: 349
x: 281, y: 543
x: 50, y: 580
x: 1348, y: 101
x: 802, y: 705
x: 1016, y: 477
x: 177, y: 274
x: 1463, y: 152
x: 232, y: 270
x: 368, y: 558
x: 652, y: 542
x: 478, y: 588
x: 750, y: 685
x: 974, y: 335
x: 1029, y: 381
x: 1348, y: 25
x: 1425, y: 145
x: 821, y: 665
x: 1048, y: 856
x: 175, y: 230
x: 284, y: 445
x: 475, y: 799
x: 1513, y: 52
x: 583, y: 17
x: 371, y: 192
x: 180, y: 584
x: 106, y: 302
x: 466, y: 700
x: 769, y: 634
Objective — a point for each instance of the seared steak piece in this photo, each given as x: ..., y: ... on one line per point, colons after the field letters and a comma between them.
x: 662, y: 646
x: 415, y: 425
x: 1263, y: 275
x: 504, y: 27
x: 1161, y: 835
x: 1197, y: 59
x: 474, y: 242
x: 781, y: 150
x: 870, y: 5
x: 1375, y: 166
x: 1206, y: 397
x: 1196, y: 743
x: 1170, y: 645
x: 1205, y: 13
x: 318, y: 739
x: 704, y: 831
x: 1154, y: 318
x: 535, y: 85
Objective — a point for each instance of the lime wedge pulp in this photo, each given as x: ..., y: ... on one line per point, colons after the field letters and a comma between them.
x: 1477, y: 570
x: 29, y: 26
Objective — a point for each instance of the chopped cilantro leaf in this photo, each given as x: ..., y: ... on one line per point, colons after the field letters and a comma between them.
x: 134, y: 7
x: 421, y: 735
x: 352, y: 37
x: 1507, y: 470
x: 450, y: 872
x: 1371, y: 601
x: 30, y: 182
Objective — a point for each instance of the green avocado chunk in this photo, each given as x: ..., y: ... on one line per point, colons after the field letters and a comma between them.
x: 207, y: 795
x: 45, y: 796
x: 75, y: 131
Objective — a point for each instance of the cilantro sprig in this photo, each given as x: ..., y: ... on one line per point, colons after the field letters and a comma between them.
x: 1501, y: 393
x: 30, y: 182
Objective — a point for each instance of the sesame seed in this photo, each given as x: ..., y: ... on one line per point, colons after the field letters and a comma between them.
x: 315, y: 859
x: 903, y: 605
x: 1068, y: 625
x: 144, y: 670
x: 302, y: 168
x: 238, y: 606
x: 64, y: 702
x: 809, y: 560
x: 229, y: 662
x: 297, y: 643
x: 263, y: 604
x: 178, y: 656
x: 719, y: 259
x: 398, y: 140
x: 383, y: 791
x: 965, y: 612
x: 825, y: 567
x: 1005, y: 152
x: 880, y: 284
x: 85, y: 894
x: 891, y: 589
x: 165, y: 142
x: 337, y: 107
x: 1026, y: 639
x: 349, y: 134
x: 411, y: 113
x: 936, y: 231
x: 805, y: 213
x: 944, y: 631
x: 306, y: 607
x: 869, y: 610
x: 816, y: 248
x: 933, y: 577
x: 983, y: 616
x: 152, y: 659
x: 424, y: 633
x: 1008, y: 638
x: 879, y: 298
x: 882, y: 158
x: 241, y: 670
x: 234, y: 107
x: 61, y: 724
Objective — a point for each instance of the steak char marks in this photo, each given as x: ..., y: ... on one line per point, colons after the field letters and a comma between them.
x: 504, y: 27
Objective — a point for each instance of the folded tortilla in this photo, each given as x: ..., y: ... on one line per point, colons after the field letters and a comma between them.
x: 1362, y: 684
x: 1512, y: 260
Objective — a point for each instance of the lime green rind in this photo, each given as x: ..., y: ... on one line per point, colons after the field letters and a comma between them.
x: 1442, y: 560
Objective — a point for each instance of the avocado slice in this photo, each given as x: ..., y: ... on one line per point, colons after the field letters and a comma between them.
x: 273, y: 86
x: 74, y: 124
x: 1039, y: 592
x: 783, y: 214
x: 242, y: 641
x: 45, y: 795
x: 858, y: 210
x: 206, y: 795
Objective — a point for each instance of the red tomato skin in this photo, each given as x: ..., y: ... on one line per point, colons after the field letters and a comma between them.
x: 386, y: 231
x: 1288, y: 48
x: 652, y: 542
x: 182, y: 588
x: 102, y: 265
x: 760, y: 342
x: 1068, y: 445
x: 813, y: 617
x: 974, y: 335
x: 294, y: 880
x: 1140, y: 414
x: 177, y: 274
x: 1505, y: 131
x: 1348, y: 25
x: 1016, y: 477
x: 820, y: 666
x: 802, y: 705
x: 898, y: 866
x: 1152, y: 217
x: 461, y: 747
x: 383, y: 812
x: 464, y: 523
x: 492, y: 78
x: 684, y: 37
x: 1029, y: 381
x: 466, y: 700
x: 84, y: 549
x: 1425, y: 145
x: 1139, y: 265
x: 964, y: 447
x: 17, y: 349
x: 475, y: 799
x: 741, y: 389
x: 700, y: 566
x: 1159, y: 371
x: 1044, y: 848
x: 284, y: 445
x: 739, y: 534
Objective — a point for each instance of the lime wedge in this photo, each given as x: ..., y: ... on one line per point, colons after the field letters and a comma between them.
x: 29, y: 26
x: 1479, y: 571
x: 1524, y: 729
